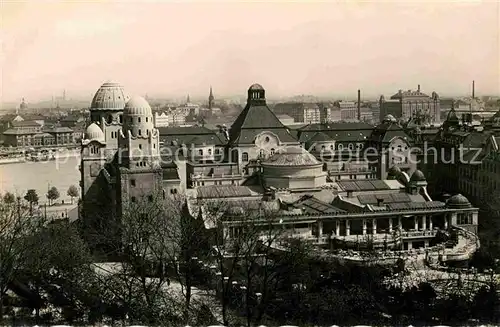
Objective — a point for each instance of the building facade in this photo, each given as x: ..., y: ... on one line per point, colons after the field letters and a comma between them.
x: 407, y: 104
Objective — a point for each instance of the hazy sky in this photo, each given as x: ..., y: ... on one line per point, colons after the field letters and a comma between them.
x: 164, y: 48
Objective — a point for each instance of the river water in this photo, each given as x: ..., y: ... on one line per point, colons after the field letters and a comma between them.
x: 61, y: 173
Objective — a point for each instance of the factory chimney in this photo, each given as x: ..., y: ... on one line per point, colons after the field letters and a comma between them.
x: 473, y: 90
x: 359, y: 105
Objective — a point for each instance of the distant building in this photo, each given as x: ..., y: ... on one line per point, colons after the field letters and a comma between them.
x: 171, y: 117
x: 407, y: 104
x: 301, y: 112
x: 28, y: 133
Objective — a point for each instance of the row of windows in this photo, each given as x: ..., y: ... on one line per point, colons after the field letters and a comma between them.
x: 200, y: 152
x: 94, y: 150
x: 464, y: 219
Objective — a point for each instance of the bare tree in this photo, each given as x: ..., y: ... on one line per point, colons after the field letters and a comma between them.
x: 244, y: 233
x: 16, y: 225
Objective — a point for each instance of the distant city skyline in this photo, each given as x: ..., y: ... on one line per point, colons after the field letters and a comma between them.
x: 323, y: 49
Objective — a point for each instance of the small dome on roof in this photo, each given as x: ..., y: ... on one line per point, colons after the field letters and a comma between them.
x: 389, y: 119
x: 94, y: 133
x: 418, y: 176
x: 458, y: 201
x: 394, y: 171
x: 256, y: 87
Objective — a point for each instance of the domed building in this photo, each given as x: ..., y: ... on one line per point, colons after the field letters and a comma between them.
x: 293, y: 168
x: 94, y: 133
x: 120, y: 158
x: 106, y: 110
x: 458, y: 201
x: 138, y: 137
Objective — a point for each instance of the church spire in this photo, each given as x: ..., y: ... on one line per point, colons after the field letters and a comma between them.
x: 210, y: 98
x: 188, y: 100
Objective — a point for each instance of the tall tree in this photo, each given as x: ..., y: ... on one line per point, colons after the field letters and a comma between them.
x: 32, y: 198
x: 9, y: 198
x: 73, y: 192
x: 53, y: 194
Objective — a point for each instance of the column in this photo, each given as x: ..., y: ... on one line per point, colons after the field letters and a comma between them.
x: 416, y: 222
x: 454, y: 219
x: 400, y: 223
x: 445, y: 221
x: 364, y: 226
x: 390, y: 225
x: 337, y: 228
x: 374, y: 226
x: 347, y: 228
x: 410, y: 245
x: 430, y: 222
x: 424, y: 222
x: 320, y: 229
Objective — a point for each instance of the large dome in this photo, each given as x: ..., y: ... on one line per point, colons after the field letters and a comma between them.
x: 458, y: 201
x: 292, y: 156
x: 110, y: 96
x: 389, y: 119
x: 256, y: 87
x: 94, y: 133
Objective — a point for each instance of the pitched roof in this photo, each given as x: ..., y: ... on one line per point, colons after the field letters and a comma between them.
x: 338, y: 131
x: 189, y: 135
x: 8, y: 117
x: 253, y: 120
x: 25, y: 123
x: 311, y: 205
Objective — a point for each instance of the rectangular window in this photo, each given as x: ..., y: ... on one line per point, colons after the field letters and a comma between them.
x: 150, y: 198
x: 132, y: 182
x: 133, y: 199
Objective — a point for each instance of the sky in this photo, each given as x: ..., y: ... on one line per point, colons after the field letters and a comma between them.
x: 165, y: 48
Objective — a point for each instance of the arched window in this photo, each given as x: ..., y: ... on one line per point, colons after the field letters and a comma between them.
x: 341, y: 147
x: 138, y: 119
x: 322, y: 148
x: 244, y: 157
x: 209, y: 152
x: 200, y: 152
x: 139, y: 132
x: 146, y: 119
x: 121, y: 119
x: 350, y: 146
x: 272, y: 151
x: 261, y: 153
x: 140, y: 146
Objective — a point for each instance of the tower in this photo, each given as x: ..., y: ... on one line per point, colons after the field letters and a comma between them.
x: 188, y: 100
x: 140, y: 172
x: 210, y: 99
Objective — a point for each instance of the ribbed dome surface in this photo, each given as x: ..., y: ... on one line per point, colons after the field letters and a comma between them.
x: 292, y: 156
x: 94, y: 133
x: 138, y: 117
x: 110, y: 96
x: 458, y: 201
x: 256, y: 87
x: 137, y: 106
x: 418, y: 176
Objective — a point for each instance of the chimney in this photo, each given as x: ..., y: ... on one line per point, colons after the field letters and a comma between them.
x: 473, y: 90
x: 418, y: 88
x: 359, y: 105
